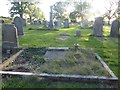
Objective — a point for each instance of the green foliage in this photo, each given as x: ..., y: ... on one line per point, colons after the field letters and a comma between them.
x: 18, y: 8
x: 82, y: 8
x: 59, y: 8
x: 34, y: 12
x: 73, y: 16
x: 7, y: 19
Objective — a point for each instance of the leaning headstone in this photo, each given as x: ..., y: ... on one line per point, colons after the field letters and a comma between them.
x: 59, y: 21
x: 78, y: 33
x: 114, y: 28
x: 98, y: 27
x: 9, y: 36
x: 19, y: 25
x: 84, y: 24
x: 66, y: 23
x: 24, y: 22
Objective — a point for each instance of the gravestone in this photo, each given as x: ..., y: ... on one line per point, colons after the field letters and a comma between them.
x: 66, y: 23
x: 78, y: 34
x: 51, y: 18
x: 115, y: 28
x: 24, y: 22
x: 19, y: 25
x: 44, y: 23
x: 9, y: 36
x: 36, y: 22
x: 59, y: 21
x: 98, y: 27
x: 84, y: 24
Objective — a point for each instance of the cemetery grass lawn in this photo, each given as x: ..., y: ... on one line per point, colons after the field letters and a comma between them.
x: 106, y: 47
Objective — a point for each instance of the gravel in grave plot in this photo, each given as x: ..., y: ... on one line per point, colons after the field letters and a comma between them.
x: 80, y: 62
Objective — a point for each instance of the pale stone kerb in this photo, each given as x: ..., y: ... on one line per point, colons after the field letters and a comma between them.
x: 0, y: 52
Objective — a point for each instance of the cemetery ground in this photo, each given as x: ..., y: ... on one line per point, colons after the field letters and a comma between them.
x: 106, y: 47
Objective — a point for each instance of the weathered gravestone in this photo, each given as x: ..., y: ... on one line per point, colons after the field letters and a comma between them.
x: 24, y: 22
x: 66, y: 23
x: 59, y: 21
x: 84, y: 24
x: 9, y: 36
x: 98, y: 27
x: 114, y: 28
x: 19, y: 25
x: 78, y: 34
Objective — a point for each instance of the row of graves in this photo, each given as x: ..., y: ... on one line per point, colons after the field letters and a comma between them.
x: 97, y: 27
x: 40, y: 62
x: 54, y: 24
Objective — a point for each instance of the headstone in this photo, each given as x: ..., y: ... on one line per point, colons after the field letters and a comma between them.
x: 24, y: 22
x: 115, y: 28
x: 44, y: 22
x: 51, y: 18
x: 19, y: 25
x: 9, y: 36
x: 84, y: 24
x: 66, y: 23
x: 36, y: 22
x: 78, y: 34
x: 59, y: 22
x: 98, y: 27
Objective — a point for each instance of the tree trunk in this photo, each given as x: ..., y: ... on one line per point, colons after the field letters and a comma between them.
x: 21, y: 15
x: 30, y: 19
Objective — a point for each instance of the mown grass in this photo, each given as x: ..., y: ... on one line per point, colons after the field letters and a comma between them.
x: 106, y: 47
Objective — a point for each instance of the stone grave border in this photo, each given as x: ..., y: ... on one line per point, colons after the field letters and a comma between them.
x: 88, y: 78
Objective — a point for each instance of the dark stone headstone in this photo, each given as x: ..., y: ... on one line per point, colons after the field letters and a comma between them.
x: 19, y: 25
x: 66, y: 23
x: 98, y: 27
x: 114, y: 28
x: 78, y: 33
x: 9, y: 36
x: 24, y: 22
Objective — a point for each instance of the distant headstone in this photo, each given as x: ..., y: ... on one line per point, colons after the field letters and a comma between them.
x: 98, y: 27
x: 9, y: 36
x: 59, y: 22
x: 51, y: 18
x: 36, y: 22
x: 44, y: 22
x: 66, y: 23
x: 78, y: 33
x: 84, y: 24
x: 115, y: 28
x: 24, y: 22
x: 19, y: 25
